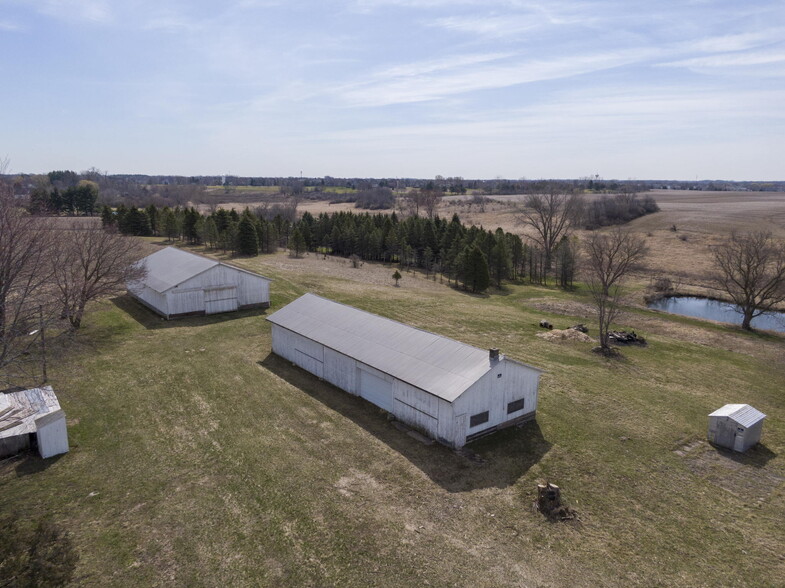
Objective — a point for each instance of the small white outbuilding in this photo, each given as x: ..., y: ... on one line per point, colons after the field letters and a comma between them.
x: 736, y: 426
x: 179, y: 283
x: 32, y: 417
x: 448, y: 390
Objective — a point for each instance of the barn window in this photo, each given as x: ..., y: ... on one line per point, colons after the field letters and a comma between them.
x: 514, y: 406
x: 478, y: 419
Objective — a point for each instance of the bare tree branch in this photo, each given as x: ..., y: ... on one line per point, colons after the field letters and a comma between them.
x: 750, y: 268
x: 609, y: 259
x: 26, y: 243
x: 92, y: 263
x: 551, y: 215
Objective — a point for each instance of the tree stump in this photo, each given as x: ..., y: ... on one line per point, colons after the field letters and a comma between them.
x: 548, y: 498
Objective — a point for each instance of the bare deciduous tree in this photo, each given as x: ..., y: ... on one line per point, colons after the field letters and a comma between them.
x: 25, y: 272
x: 750, y: 268
x: 91, y: 263
x: 551, y: 215
x: 609, y: 259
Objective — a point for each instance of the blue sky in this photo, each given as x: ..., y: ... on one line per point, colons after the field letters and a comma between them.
x: 396, y: 88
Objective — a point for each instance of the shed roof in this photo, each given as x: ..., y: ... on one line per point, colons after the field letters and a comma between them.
x: 171, y: 266
x: 744, y: 414
x: 19, y: 410
x: 441, y: 366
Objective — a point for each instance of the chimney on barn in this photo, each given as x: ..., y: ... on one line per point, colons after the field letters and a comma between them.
x: 494, y: 354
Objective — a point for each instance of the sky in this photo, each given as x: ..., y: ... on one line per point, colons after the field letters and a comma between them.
x: 624, y: 89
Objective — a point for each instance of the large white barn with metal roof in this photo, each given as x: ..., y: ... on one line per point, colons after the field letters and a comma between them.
x: 179, y: 283
x: 451, y: 391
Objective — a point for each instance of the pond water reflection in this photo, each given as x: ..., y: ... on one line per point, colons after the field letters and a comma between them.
x: 717, y: 311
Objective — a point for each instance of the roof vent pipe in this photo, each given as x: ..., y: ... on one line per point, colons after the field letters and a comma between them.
x: 494, y: 353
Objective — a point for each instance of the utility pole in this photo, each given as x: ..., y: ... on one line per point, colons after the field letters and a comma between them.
x: 43, y: 341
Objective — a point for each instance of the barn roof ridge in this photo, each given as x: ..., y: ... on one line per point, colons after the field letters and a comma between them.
x: 437, y: 364
x: 164, y: 277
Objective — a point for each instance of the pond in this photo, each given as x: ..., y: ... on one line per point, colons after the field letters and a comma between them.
x: 717, y: 311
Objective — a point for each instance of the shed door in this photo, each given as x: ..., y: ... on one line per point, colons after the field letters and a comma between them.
x: 726, y: 433
x: 220, y: 299
x: 375, y: 389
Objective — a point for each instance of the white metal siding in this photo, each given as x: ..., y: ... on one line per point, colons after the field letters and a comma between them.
x: 416, y: 408
x: 182, y: 302
x: 375, y: 387
x: 154, y: 299
x: 222, y: 299
x: 309, y: 363
x: 340, y: 370
x: 52, y: 437
x: 299, y: 350
x: 493, y: 393
x: 250, y: 289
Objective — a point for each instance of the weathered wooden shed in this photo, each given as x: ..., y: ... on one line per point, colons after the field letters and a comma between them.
x: 450, y: 391
x: 736, y: 426
x: 32, y: 418
x: 179, y: 283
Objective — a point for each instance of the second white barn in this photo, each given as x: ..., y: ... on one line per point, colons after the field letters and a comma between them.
x: 179, y: 283
x: 451, y: 391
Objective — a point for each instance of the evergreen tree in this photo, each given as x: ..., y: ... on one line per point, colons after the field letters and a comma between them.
x: 247, y: 239
x: 476, y: 275
x: 210, y: 232
x: 169, y: 224
x: 297, y: 243
x: 154, y: 216
x: 500, y: 258
x: 107, y: 216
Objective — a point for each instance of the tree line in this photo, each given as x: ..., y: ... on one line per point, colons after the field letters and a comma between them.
x: 469, y: 255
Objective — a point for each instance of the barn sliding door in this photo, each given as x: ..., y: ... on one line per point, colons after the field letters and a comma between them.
x: 220, y: 300
x: 375, y: 389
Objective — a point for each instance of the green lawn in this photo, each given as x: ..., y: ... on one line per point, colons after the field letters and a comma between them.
x: 198, y: 458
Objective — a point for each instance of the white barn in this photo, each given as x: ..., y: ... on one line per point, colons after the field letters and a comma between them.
x: 736, y: 426
x: 448, y: 390
x: 32, y: 417
x: 179, y: 283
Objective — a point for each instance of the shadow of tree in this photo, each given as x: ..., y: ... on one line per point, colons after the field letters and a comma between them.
x: 497, y: 460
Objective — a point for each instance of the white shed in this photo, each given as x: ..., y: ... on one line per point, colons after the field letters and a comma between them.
x: 450, y: 391
x: 32, y: 417
x: 736, y: 426
x: 179, y: 283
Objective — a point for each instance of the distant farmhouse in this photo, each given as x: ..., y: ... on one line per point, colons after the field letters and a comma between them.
x: 32, y: 418
x: 179, y: 283
x: 451, y: 391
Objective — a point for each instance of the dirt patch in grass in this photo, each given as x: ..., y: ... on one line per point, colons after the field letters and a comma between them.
x: 741, y: 474
x: 566, y: 335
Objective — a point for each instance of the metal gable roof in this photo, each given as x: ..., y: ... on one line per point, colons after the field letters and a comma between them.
x: 744, y: 414
x: 441, y: 366
x: 171, y: 266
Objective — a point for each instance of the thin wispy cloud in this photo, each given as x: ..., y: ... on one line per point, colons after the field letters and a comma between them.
x: 9, y: 26
x: 418, y: 88
x: 734, y: 60
x: 255, y: 85
x: 96, y: 11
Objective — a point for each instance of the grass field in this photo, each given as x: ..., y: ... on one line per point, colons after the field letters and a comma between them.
x: 198, y: 458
